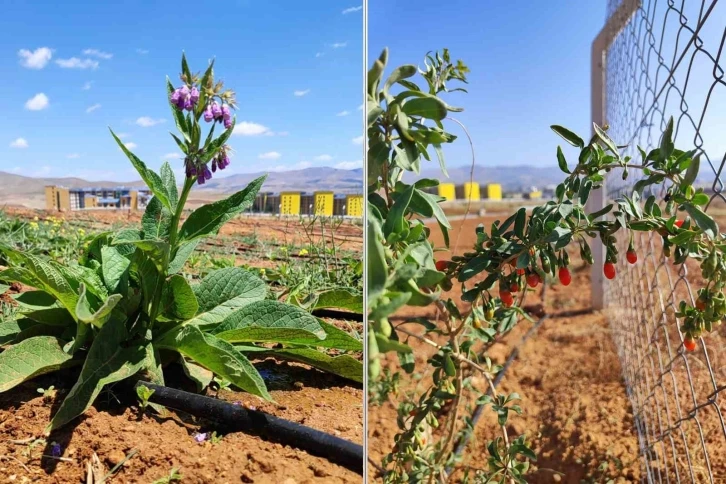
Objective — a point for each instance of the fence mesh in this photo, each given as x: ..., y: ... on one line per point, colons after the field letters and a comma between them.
x: 669, y: 61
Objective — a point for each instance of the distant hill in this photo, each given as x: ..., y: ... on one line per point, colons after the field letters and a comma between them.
x: 30, y: 191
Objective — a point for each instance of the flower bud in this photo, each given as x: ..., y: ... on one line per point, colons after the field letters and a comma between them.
x: 208, y: 115
x: 207, y: 173
x: 216, y: 110
x: 194, y: 95
x: 214, y: 165
x: 226, y: 114
x: 200, y: 180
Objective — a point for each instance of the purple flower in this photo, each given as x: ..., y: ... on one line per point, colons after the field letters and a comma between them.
x: 194, y: 95
x: 175, y: 96
x: 200, y: 437
x: 55, y: 449
x: 214, y: 165
x: 227, y: 123
x: 216, y: 110
x: 207, y: 173
x: 200, y: 180
x: 208, y: 115
x: 225, y: 112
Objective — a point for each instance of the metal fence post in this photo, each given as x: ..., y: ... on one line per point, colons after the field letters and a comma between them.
x: 598, y: 67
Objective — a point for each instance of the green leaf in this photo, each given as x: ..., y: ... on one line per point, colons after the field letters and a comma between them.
x: 399, y: 73
x: 519, y: 222
x: 115, y: 269
x: 342, y: 365
x: 605, y: 138
x: 58, y: 316
x: 700, y: 199
x: 35, y: 300
x: 692, y: 172
x: 222, y: 292
x: 167, y: 176
x: 152, y: 180
x: 182, y: 254
x: 30, y: 358
x: 156, y: 250
x: 429, y: 107
x: 109, y: 360
x: 198, y: 374
x: 216, y: 355
x: 395, y: 221
x: 473, y: 267
x: 562, y: 161
x: 156, y: 221
x: 179, y: 119
x: 269, y: 322
x: 208, y: 219
x: 99, y: 317
x: 376, y: 269
x: 568, y: 136
x: 703, y: 220
x: 179, y: 301
x: 10, y: 329
x: 339, y: 299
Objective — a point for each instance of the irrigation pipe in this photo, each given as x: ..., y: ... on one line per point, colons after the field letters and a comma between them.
x: 238, y: 418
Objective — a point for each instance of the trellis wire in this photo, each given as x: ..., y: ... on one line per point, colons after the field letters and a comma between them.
x: 669, y: 61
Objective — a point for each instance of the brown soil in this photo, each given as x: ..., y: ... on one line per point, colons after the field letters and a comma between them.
x: 576, y: 411
x: 112, y: 429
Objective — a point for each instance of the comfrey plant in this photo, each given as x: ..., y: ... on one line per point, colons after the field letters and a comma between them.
x: 125, y: 308
x: 513, y: 256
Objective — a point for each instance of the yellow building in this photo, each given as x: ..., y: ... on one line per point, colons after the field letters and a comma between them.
x: 57, y: 198
x: 290, y: 203
x: 354, y: 205
x: 324, y: 203
x: 447, y: 191
x: 494, y: 191
x: 471, y: 191
x: 534, y: 195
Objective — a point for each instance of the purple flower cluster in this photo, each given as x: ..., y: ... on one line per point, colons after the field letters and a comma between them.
x: 203, y: 173
x: 215, y: 112
x: 185, y: 98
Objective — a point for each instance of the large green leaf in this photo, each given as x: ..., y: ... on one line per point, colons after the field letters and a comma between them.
x: 115, y: 269
x: 222, y: 292
x: 152, y: 180
x: 429, y: 107
x: 182, y: 254
x: 216, y: 355
x: 35, y: 300
x: 269, y: 321
x: 376, y: 270
x: 57, y: 316
x: 342, y: 365
x: 198, y: 374
x: 156, y: 221
x: 208, y: 219
x: 9, y: 330
x: 156, y: 250
x: 341, y: 299
x: 179, y: 301
x: 30, y: 358
x: 97, y: 317
x: 109, y: 360
x: 167, y: 176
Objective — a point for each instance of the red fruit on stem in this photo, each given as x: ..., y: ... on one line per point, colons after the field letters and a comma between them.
x: 700, y: 304
x: 533, y: 279
x: 506, y: 298
x: 609, y: 270
x: 631, y: 256
x: 520, y: 272
x: 442, y: 265
x: 689, y: 343
x: 678, y: 223
x: 565, y: 277
x: 514, y: 287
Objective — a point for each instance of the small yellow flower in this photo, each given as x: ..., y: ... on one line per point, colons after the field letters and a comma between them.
x: 262, y: 271
x: 283, y: 249
x: 35, y: 219
x: 34, y: 225
x: 303, y: 252
x: 81, y: 232
x: 45, y: 223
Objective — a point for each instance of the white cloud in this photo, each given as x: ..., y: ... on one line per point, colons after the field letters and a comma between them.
x: 319, y: 54
x: 339, y: 45
x: 349, y: 165
x: 172, y: 156
x: 19, y: 143
x: 36, y: 59
x: 246, y: 128
x: 76, y: 63
x: 90, y: 109
x: 98, y: 53
x: 147, y: 122
x: 37, y: 102
x: 358, y: 140
x: 301, y: 93
x: 130, y: 145
x: 343, y: 113
x: 142, y: 51
x: 271, y: 155
x: 353, y: 9
x: 87, y: 85
x: 301, y: 165
x: 73, y: 156
x: 323, y: 158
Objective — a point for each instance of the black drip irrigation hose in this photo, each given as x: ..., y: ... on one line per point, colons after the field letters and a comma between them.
x: 335, y: 314
x: 236, y: 417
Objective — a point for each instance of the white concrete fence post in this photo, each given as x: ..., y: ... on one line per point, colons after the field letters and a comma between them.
x: 598, y: 69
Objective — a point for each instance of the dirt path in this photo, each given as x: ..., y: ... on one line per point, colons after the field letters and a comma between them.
x: 576, y: 412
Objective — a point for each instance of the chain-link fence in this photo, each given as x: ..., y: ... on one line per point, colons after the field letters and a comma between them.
x: 669, y: 61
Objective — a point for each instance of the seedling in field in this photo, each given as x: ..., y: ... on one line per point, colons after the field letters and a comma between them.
x: 48, y: 393
x: 144, y: 393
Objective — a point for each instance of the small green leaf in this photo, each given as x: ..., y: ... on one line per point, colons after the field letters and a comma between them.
x: 562, y: 161
x: 702, y: 219
x: 568, y: 136
x: 426, y: 107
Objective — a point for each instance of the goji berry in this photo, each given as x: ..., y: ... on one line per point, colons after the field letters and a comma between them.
x: 514, y: 287
x: 520, y: 272
x: 678, y: 223
x: 506, y: 298
x: 533, y: 279
x: 442, y: 265
x: 632, y: 256
x: 689, y: 343
x: 564, y: 275
x: 489, y: 314
x: 700, y: 304
x: 609, y: 270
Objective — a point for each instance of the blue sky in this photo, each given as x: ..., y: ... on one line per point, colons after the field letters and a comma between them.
x: 72, y: 69
x: 530, y: 68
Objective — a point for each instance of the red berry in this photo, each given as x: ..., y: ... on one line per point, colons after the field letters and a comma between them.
x: 520, y: 272
x: 700, y: 304
x: 631, y: 256
x: 565, y: 277
x: 412, y: 413
x: 533, y: 279
x: 442, y: 265
x: 609, y: 270
x: 689, y: 343
x: 514, y: 287
x: 506, y: 298
x: 678, y: 223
